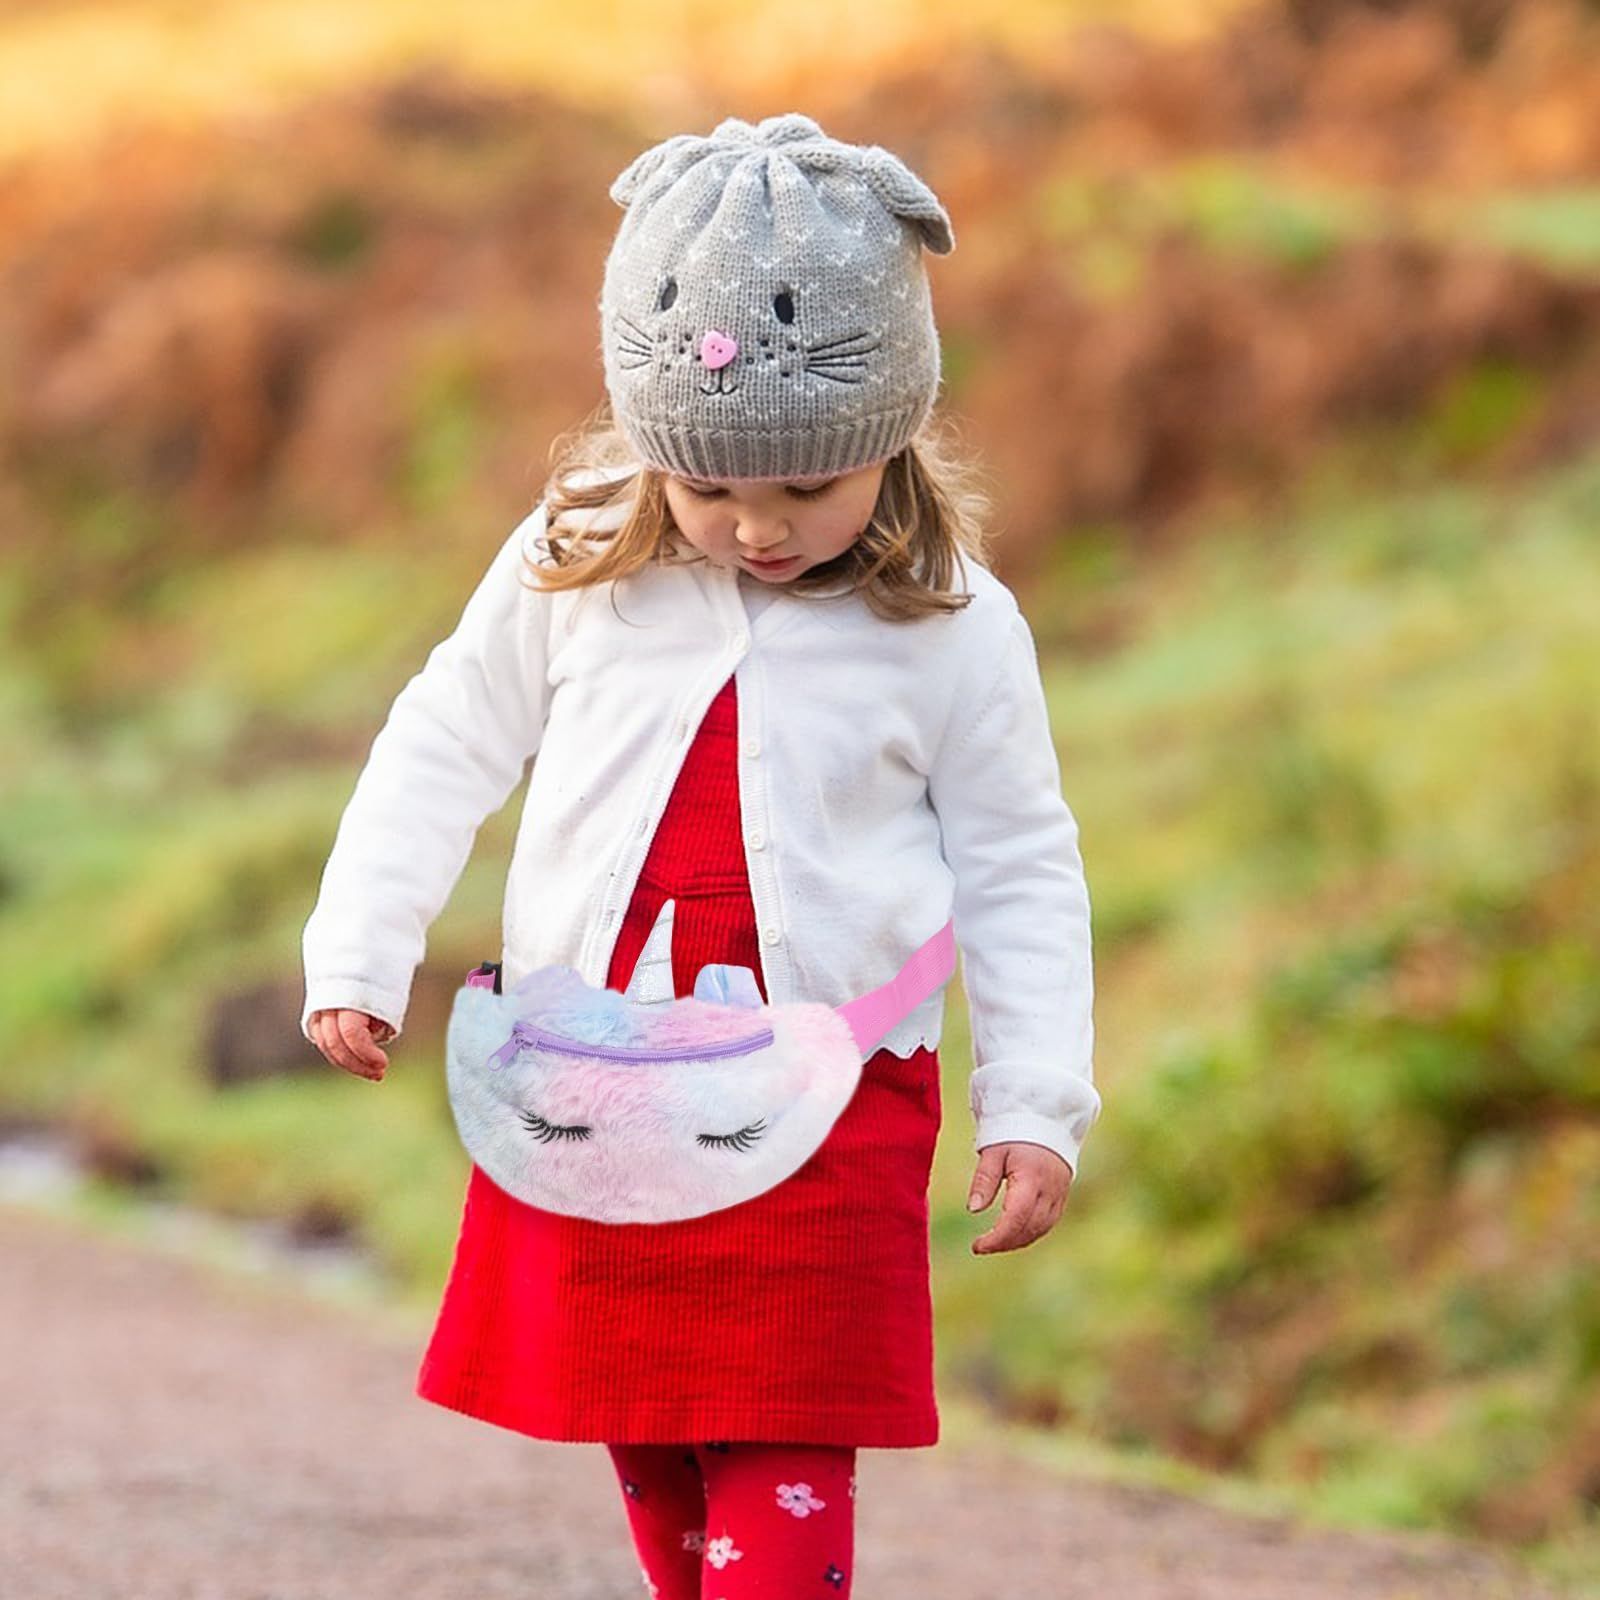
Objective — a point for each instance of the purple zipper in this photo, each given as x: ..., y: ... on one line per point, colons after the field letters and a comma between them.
x: 528, y: 1036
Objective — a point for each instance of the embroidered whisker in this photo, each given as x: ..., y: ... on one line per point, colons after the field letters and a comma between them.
x: 630, y: 326
x: 848, y: 339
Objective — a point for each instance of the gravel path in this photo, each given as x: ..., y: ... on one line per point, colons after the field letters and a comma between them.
x: 171, y: 1432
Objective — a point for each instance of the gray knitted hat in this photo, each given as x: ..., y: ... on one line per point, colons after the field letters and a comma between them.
x: 765, y: 311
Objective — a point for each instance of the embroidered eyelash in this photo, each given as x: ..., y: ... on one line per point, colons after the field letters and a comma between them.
x: 544, y: 1131
x: 742, y: 1140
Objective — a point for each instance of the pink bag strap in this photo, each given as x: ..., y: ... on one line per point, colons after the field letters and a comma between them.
x: 928, y: 970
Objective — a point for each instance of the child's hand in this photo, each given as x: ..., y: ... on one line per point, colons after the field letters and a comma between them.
x: 1037, y: 1181
x: 349, y: 1039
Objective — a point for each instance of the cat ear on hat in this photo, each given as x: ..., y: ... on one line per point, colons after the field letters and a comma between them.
x: 904, y: 194
x: 674, y: 154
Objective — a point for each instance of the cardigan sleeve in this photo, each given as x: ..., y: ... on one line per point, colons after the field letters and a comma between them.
x: 454, y: 745
x: 1021, y: 912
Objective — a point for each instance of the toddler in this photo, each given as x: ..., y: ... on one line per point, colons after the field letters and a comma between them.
x: 782, y: 716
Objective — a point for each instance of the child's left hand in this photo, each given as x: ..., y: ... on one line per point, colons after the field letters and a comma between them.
x: 1037, y: 1181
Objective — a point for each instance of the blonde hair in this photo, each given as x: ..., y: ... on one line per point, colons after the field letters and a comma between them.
x: 930, y: 509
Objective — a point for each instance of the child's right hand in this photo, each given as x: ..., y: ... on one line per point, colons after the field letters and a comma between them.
x: 349, y: 1039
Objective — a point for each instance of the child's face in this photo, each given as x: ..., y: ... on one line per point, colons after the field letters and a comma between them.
x: 804, y: 521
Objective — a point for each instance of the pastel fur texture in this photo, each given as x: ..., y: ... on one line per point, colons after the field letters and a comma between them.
x: 648, y: 1154
x: 558, y: 999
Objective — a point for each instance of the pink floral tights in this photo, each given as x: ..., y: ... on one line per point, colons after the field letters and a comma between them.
x: 733, y: 1520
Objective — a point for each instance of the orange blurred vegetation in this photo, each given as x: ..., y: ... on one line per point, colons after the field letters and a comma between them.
x: 255, y: 322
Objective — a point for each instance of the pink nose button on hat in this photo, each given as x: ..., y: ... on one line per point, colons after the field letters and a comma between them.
x: 718, y: 349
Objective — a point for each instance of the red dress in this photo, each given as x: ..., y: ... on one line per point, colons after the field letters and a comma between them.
x: 802, y: 1315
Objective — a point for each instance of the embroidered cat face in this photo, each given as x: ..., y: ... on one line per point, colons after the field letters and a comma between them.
x: 764, y: 337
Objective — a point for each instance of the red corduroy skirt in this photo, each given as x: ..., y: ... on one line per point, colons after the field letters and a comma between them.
x: 802, y: 1315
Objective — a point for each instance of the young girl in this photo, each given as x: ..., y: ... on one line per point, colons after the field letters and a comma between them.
x: 769, y: 731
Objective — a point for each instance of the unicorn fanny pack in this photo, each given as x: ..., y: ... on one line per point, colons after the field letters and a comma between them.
x: 644, y: 1107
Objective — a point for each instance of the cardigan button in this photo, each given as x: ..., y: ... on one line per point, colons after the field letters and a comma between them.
x: 770, y: 933
x: 738, y: 639
x: 752, y: 747
x: 758, y: 840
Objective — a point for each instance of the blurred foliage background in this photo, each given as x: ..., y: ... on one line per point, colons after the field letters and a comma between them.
x: 1278, y: 329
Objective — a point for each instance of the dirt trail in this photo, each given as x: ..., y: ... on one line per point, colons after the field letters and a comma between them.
x: 173, y: 1433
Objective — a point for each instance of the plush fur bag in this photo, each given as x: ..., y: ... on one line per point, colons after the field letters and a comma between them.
x: 644, y: 1107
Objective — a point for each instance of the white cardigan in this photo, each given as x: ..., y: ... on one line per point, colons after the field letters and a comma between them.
x: 890, y: 774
